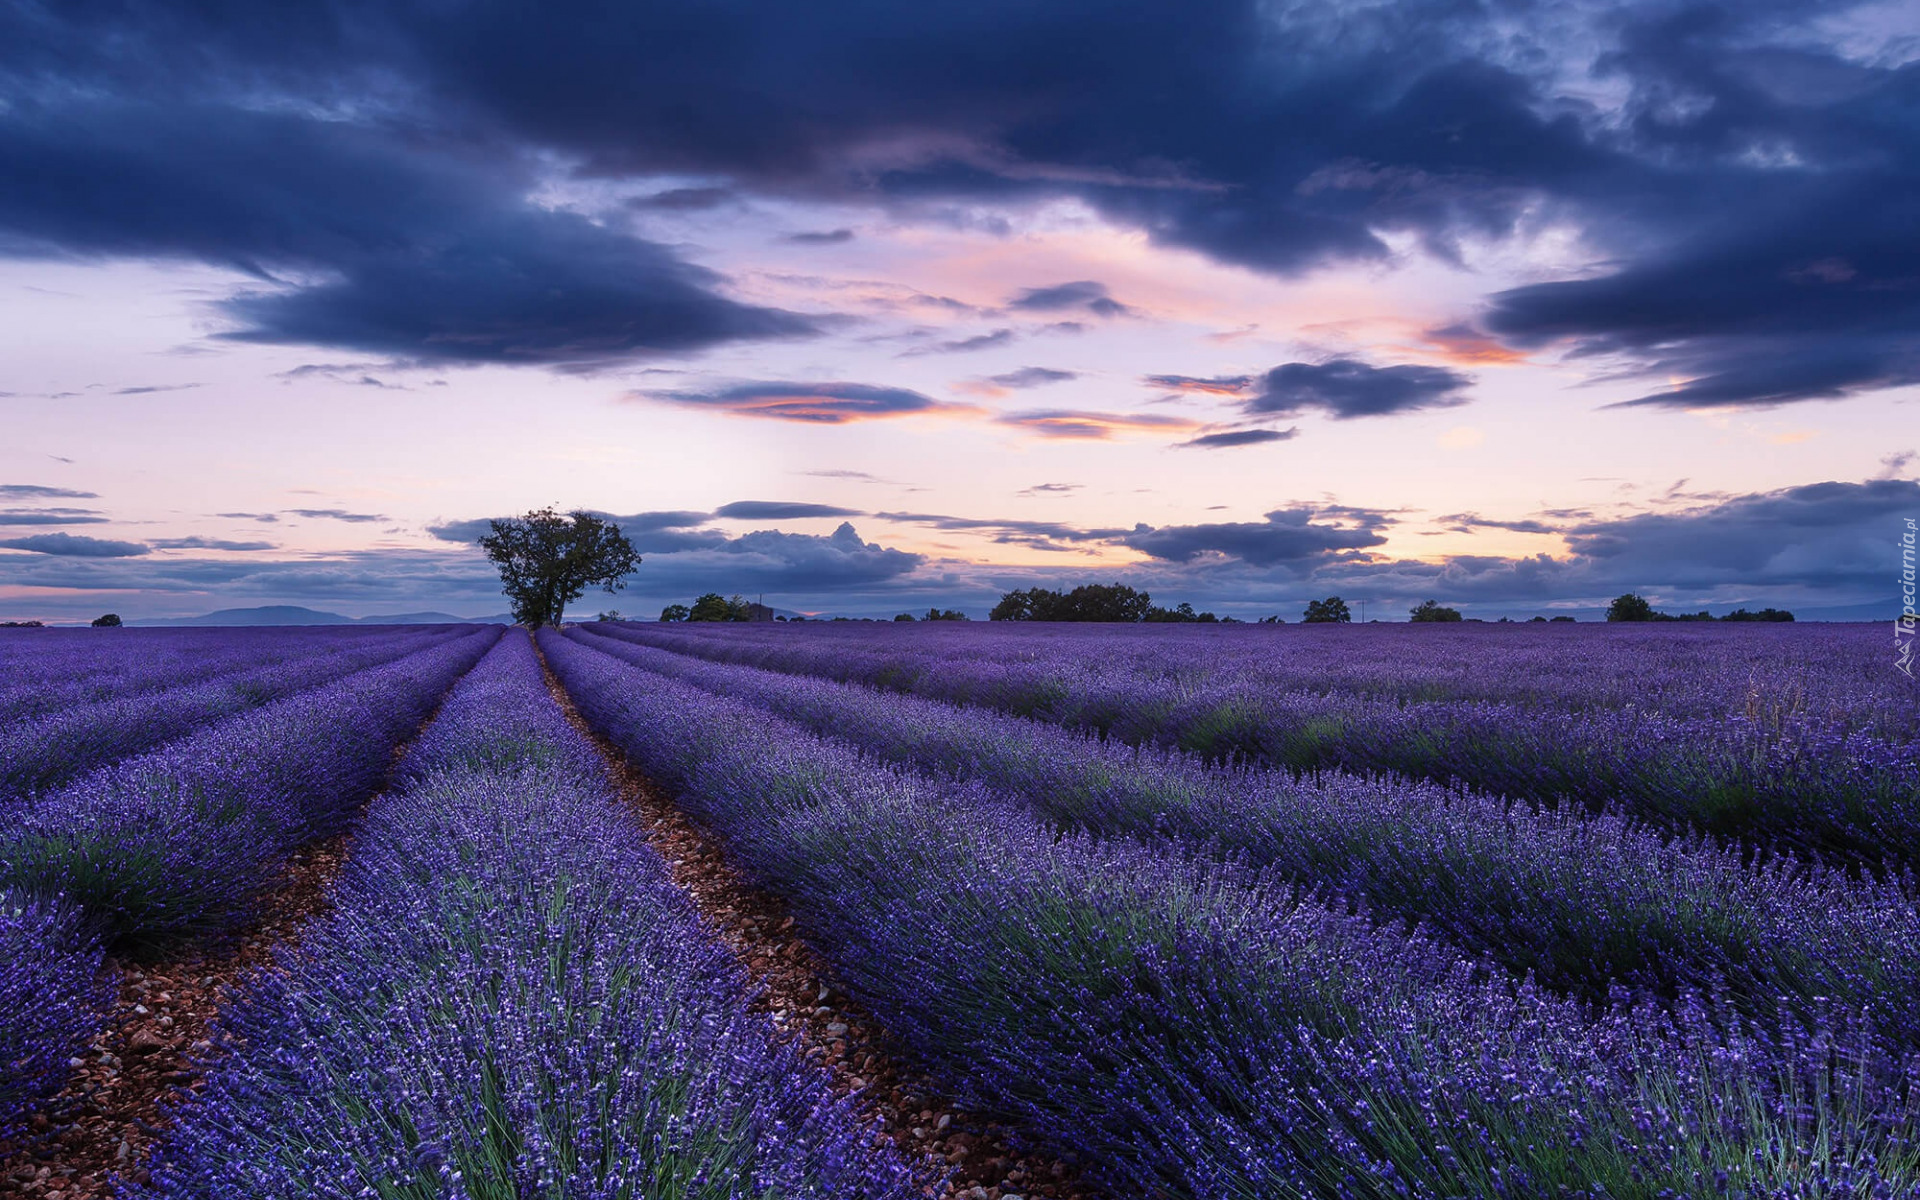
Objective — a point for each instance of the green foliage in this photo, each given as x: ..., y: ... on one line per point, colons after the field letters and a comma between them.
x: 547, y: 560
x: 675, y: 612
x: 1431, y: 610
x: 1765, y: 614
x: 1634, y: 608
x: 1331, y: 611
x: 1183, y: 613
x: 1630, y: 607
x: 715, y: 607
x: 1088, y: 602
x: 112, y: 621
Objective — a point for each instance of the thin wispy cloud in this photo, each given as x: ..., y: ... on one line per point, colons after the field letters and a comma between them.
x: 809, y: 403
x: 1087, y: 425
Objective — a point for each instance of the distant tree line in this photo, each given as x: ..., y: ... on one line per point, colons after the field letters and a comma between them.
x: 935, y: 614
x: 1114, y: 602
x: 1631, y: 607
x: 715, y: 607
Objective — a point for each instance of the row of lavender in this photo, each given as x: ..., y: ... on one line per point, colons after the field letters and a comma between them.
x: 1583, y: 903
x: 1198, y: 1029
x: 50, y: 670
x: 180, y: 842
x: 1841, y: 779
x: 172, y: 697
x: 1764, y: 672
x: 511, y: 999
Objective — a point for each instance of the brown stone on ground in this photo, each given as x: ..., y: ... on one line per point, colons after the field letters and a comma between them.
x: 115, y: 1105
x: 959, y: 1154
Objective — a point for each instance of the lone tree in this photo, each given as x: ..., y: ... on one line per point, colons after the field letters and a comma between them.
x: 1433, y: 610
x: 547, y: 560
x: 1331, y: 611
x: 112, y: 621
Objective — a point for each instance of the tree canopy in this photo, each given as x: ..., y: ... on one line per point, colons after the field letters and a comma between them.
x: 1331, y: 611
x: 715, y: 607
x: 1432, y: 610
x: 1088, y: 602
x: 1631, y: 607
x: 547, y: 560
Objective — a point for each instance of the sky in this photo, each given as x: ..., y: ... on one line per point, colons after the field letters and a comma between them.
x: 874, y: 307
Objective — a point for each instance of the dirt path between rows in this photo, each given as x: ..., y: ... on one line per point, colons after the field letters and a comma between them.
x: 116, y: 1104
x: 113, y: 1108
x: 961, y: 1155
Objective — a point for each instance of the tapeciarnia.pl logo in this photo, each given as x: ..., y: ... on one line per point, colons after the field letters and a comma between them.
x: 1903, y: 625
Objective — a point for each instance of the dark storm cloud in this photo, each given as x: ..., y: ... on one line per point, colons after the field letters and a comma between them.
x: 70, y: 545
x: 1751, y: 184
x: 1087, y: 294
x: 810, y: 403
x: 778, y: 510
x: 1288, y: 536
x: 1816, y: 535
x: 35, y: 491
x: 1238, y: 437
x: 1795, y: 274
x: 1345, y: 388
x: 362, y: 241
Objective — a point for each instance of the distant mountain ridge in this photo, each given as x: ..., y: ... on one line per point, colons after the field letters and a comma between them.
x: 293, y: 614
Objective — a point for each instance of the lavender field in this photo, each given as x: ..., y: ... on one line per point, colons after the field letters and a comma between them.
x: 1198, y: 912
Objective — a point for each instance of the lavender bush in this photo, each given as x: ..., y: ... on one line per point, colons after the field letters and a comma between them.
x: 65, y: 668
x: 40, y: 754
x: 177, y: 843
x: 52, y: 998
x: 511, y: 1000
x: 1814, y: 748
x: 1196, y: 1032
x: 1582, y: 902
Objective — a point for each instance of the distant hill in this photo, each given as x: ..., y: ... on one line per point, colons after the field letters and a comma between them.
x: 293, y: 614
